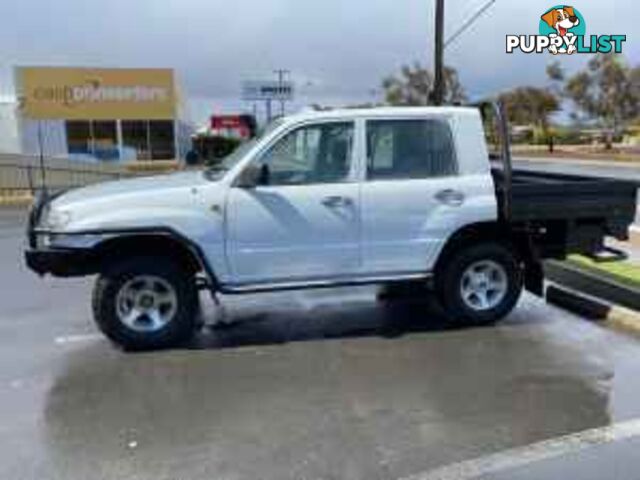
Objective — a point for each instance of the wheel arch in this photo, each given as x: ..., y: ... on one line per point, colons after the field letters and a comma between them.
x: 153, y: 243
x: 519, y: 241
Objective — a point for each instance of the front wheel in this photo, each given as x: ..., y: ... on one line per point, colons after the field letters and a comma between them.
x: 146, y: 303
x: 480, y: 284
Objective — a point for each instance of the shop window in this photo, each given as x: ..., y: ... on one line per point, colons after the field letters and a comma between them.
x: 105, y: 140
x: 162, y: 140
x: 79, y: 137
x: 148, y: 140
x: 96, y: 138
x: 141, y: 139
x: 135, y: 139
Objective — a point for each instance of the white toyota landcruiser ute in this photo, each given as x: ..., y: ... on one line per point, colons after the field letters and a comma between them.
x: 332, y: 198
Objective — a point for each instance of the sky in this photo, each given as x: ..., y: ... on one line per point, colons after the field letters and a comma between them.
x: 338, y: 51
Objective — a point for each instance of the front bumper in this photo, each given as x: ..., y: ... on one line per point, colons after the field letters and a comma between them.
x: 60, y: 262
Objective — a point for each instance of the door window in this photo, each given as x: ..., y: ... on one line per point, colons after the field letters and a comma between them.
x: 401, y: 149
x: 318, y: 153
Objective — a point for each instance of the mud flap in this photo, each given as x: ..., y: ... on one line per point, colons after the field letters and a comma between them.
x: 534, y: 278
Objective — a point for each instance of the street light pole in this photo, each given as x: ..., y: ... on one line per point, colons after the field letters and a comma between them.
x: 438, y: 86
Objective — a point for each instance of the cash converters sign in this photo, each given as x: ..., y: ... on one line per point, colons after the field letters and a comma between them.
x: 562, y: 30
x: 96, y: 94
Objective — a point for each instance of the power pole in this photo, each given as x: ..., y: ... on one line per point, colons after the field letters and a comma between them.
x: 438, y: 85
x: 269, y: 115
x: 281, y: 74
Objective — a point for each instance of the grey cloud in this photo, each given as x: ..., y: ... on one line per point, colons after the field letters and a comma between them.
x: 339, y: 49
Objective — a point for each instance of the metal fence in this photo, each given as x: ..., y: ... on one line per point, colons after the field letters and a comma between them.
x: 27, y: 178
x: 23, y: 175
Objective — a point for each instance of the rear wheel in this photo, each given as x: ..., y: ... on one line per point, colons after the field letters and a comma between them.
x: 480, y: 284
x: 146, y: 303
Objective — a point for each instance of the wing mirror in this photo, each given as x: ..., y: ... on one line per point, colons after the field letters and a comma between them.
x: 254, y: 175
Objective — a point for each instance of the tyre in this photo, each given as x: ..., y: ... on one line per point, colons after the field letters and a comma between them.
x: 146, y: 303
x: 479, y: 284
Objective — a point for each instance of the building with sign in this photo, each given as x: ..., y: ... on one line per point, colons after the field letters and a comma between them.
x: 107, y: 114
x: 268, y: 91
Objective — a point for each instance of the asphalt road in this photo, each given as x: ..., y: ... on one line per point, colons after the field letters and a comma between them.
x: 315, y: 385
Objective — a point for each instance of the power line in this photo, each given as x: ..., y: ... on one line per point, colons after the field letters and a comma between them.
x: 469, y: 22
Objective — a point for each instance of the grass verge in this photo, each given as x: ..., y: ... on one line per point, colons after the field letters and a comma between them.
x: 623, y: 272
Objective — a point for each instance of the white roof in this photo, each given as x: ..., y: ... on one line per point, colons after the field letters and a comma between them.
x: 382, y: 112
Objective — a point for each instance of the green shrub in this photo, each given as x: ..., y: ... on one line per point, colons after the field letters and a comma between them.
x: 569, y: 136
x: 218, y: 148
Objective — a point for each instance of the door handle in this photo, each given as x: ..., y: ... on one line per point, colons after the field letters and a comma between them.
x: 450, y: 197
x: 334, y: 201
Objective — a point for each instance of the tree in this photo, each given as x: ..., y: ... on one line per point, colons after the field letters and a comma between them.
x: 557, y: 77
x: 606, y: 91
x: 530, y: 106
x: 414, y: 86
x: 634, y: 79
x: 555, y: 71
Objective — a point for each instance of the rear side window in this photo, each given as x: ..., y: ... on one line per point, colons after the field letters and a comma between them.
x: 401, y: 149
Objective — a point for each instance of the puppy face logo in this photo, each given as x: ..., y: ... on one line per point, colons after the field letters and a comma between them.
x: 562, y: 21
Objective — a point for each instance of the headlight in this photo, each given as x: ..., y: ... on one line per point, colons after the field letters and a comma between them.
x: 63, y: 240
x: 56, y: 219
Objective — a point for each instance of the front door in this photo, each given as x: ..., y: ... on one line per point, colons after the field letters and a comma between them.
x: 301, y: 222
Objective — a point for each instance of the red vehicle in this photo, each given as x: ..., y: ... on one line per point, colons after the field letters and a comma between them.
x: 223, y: 136
x: 236, y: 126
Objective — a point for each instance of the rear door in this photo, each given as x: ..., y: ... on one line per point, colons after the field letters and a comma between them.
x: 412, y: 194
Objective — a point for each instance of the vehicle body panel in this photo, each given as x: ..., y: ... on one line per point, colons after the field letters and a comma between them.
x: 288, y: 232
x: 405, y: 226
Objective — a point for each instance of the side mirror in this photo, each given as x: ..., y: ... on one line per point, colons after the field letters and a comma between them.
x: 253, y: 176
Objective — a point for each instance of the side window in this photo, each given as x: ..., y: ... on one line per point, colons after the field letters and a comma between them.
x: 399, y: 149
x: 318, y: 153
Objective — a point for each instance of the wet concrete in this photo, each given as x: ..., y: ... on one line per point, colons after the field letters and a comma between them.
x: 613, y: 461
x: 321, y: 384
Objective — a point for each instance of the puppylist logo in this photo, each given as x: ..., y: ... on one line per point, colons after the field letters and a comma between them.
x: 562, y: 30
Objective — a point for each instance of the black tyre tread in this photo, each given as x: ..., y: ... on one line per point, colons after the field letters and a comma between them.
x: 179, y: 330
x: 447, y: 283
